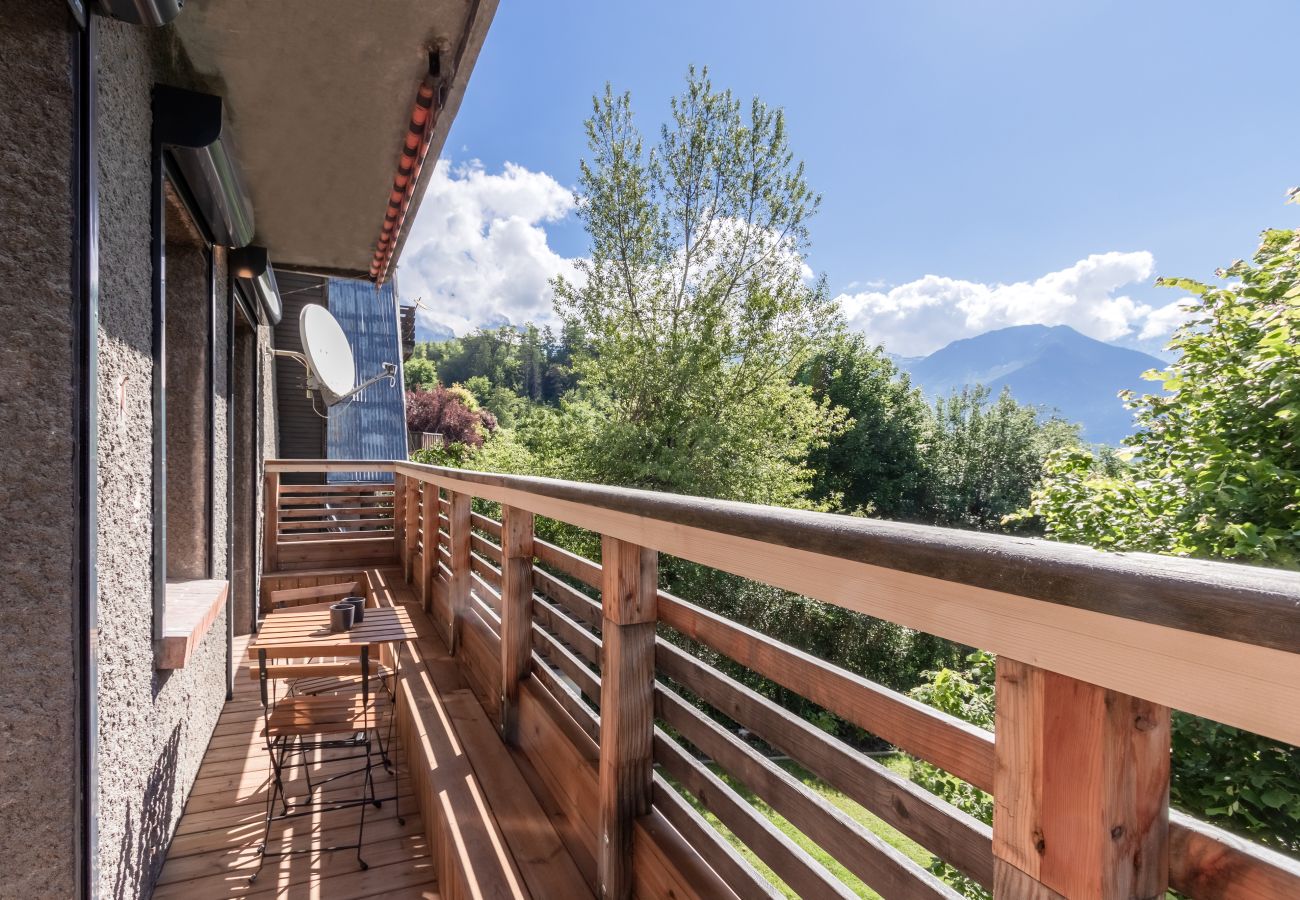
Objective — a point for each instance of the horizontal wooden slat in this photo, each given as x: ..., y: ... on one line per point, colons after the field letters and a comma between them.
x: 339, y: 512
x: 574, y: 601
x: 1208, y: 863
x: 351, y: 524
x: 292, y: 537
x: 567, y: 629
x: 353, y: 487
x: 485, y: 548
x: 852, y: 844
x: 948, y: 742
x: 585, y: 717
x: 790, y: 861
x: 485, y: 570
x: 571, y: 564
x: 483, y: 523
x: 711, y: 845
x: 1144, y: 626
x: 329, y: 465
x: 959, y: 839
x: 567, y: 662
x: 317, y: 592
x: 343, y: 498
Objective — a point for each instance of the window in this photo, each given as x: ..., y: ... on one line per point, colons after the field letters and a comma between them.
x: 187, y: 393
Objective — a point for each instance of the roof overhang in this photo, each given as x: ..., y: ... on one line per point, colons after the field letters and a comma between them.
x: 319, y: 93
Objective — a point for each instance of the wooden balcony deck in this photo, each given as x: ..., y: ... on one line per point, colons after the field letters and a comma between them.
x: 215, y: 847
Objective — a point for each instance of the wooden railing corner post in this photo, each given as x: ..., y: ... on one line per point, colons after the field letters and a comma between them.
x: 458, y: 529
x: 516, y: 613
x: 1081, y: 789
x: 271, y: 522
x: 629, y: 589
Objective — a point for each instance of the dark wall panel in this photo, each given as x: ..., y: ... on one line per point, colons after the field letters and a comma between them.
x: 302, y: 430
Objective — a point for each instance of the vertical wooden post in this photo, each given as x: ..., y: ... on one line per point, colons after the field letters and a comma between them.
x: 412, y: 530
x: 458, y: 526
x: 629, y: 587
x: 516, y: 612
x: 429, y: 537
x: 399, y: 516
x: 1081, y: 789
x: 271, y: 522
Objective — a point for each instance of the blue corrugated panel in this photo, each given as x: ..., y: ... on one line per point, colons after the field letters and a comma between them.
x: 373, y: 424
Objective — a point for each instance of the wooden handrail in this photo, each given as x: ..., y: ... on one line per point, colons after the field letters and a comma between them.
x: 1142, y: 625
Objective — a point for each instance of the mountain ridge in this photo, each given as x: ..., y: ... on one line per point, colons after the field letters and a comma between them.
x: 1050, y: 366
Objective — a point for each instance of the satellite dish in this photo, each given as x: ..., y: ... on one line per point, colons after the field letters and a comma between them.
x: 327, y: 357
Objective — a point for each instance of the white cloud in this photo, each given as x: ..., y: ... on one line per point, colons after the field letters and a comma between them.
x: 478, y: 251
x: 921, y: 316
x: 1162, y: 321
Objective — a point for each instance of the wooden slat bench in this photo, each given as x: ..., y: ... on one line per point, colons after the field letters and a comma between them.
x: 488, y: 832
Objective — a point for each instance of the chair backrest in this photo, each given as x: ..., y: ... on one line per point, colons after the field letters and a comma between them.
x: 268, y: 671
x: 320, y: 593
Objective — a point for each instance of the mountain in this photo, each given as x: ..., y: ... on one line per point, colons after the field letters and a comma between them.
x: 1054, y: 367
x: 435, y: 332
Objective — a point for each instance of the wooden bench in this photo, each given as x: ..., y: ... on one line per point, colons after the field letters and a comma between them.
x: 487, y: 830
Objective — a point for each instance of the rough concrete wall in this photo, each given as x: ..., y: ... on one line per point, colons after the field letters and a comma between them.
x: 37, y: 489
x: 154, y: 727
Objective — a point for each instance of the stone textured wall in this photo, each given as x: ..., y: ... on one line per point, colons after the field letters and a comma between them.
x: 38, y: 503
x: 153, y: 726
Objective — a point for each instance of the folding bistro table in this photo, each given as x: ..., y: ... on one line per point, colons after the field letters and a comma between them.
x: 307, y: 628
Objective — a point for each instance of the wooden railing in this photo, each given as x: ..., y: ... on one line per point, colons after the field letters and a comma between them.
x: 571, y: 659
x: 311, y: 526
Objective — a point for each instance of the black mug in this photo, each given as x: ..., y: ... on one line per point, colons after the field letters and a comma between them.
x: 341, y: 616
x: 358, y: 605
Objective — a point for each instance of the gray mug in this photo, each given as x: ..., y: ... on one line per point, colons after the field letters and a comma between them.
x: 359, y: 606
x: 341, y: 616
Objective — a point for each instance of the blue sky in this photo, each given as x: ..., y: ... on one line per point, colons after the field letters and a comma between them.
x: 1068, y: 152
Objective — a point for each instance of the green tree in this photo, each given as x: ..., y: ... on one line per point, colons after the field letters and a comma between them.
x: 1214, y: 466
x: 875, y: 464
x: 984, y: 458
x: 695, y: 304
x: 1213, y: 470
x: 419, y: 374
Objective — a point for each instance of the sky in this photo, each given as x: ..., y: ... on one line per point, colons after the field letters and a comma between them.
x: 982, y: 163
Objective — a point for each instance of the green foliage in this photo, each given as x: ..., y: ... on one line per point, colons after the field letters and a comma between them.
x: 967, y: 694
x: 419, y: 374
x: 1214, y: 467
x: 454, y: 455
x: 694, y: 303
x: 983, y: 458
x: 875, y: 465
x: 1212, y: 471
x: 528, y: 362
x: 1242, y: 781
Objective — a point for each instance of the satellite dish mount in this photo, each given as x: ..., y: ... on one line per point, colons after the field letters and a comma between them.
x: 327, y: 357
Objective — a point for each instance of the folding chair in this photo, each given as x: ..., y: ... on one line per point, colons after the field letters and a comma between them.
x: 297, y: 726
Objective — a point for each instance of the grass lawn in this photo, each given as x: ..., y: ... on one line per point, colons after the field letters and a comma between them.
x: 898, y: 763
